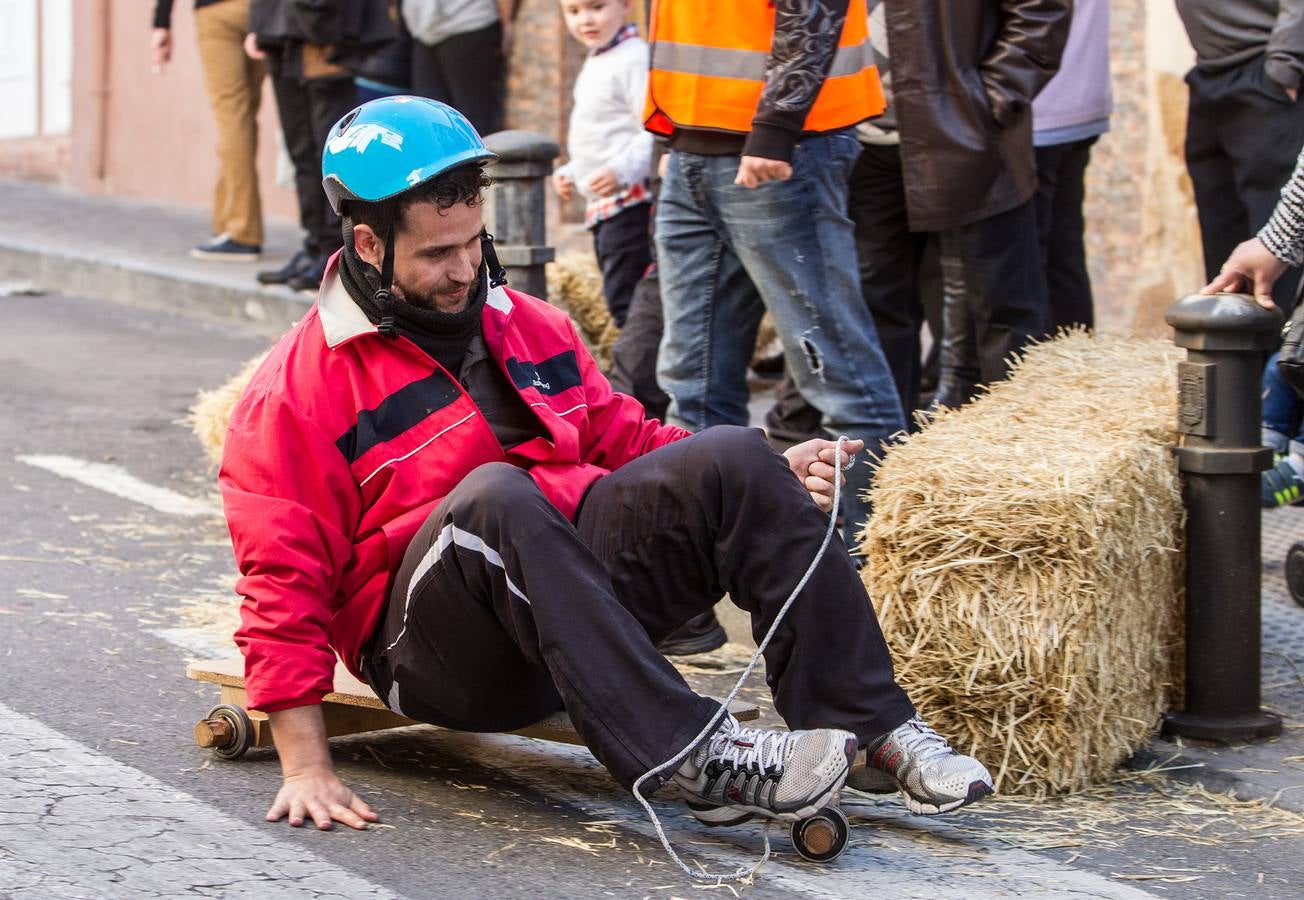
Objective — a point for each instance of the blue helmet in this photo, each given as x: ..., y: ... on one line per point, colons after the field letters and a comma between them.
x: 391, y: 145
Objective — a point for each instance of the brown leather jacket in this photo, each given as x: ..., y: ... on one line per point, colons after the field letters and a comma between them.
x: 964, y: 73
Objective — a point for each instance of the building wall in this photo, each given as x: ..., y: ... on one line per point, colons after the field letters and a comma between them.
x: 151, y: 136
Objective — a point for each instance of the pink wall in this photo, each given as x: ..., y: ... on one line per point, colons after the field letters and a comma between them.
x: 156, y: 141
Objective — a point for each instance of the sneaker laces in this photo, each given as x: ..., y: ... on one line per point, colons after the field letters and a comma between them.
x: 762, y: 749
x: 923, y: 743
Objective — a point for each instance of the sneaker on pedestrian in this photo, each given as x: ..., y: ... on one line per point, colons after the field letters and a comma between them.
x: 309, y: 279
x: 1281, y: 485
x: 223, y: 248
x: 700, y: 634
x: 917, y: 761
x: 301, y: 260
x: 738, y: 773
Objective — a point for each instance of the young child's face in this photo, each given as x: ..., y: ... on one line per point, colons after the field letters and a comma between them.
x: 594, y: 22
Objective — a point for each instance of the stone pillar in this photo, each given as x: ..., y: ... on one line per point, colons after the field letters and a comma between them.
x: 518, y: 206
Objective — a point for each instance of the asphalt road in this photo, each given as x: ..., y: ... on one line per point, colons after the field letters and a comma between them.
x: 104, y: 599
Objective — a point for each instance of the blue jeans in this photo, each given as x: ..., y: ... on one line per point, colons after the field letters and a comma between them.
x: 1282, y: 425
x: 727, y: 254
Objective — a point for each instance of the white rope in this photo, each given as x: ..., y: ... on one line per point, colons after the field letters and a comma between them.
x: 742, y: 873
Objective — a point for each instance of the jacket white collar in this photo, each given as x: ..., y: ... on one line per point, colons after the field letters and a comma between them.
x: 342, y: 319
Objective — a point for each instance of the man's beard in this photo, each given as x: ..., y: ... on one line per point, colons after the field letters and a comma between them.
x: 430, y: 301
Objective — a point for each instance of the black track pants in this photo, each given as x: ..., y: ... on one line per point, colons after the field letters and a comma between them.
x: 503, y: 611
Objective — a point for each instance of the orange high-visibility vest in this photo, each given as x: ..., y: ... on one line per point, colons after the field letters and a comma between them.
x: 708, y: 68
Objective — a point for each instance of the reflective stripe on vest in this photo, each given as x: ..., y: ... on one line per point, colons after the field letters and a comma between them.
x: 701, y: 78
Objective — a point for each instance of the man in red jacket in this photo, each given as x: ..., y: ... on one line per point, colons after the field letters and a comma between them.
x: 430, y: 477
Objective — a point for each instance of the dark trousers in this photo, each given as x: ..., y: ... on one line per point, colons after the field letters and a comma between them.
x: 624, y: 249
x: 1061, y: 190
x: 1243, y: 134
x: 503, y: 610
x: 466, y: 72
x: 1005, y: 303
x: 634, y: 355
x: 307, y: 110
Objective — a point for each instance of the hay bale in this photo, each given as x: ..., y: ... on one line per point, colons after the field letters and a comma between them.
x: 575, y: 285
x: 211, y: 411
x: 1023, y: 560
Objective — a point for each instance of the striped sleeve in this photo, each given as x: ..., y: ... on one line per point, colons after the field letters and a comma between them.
x: 1284, y: 233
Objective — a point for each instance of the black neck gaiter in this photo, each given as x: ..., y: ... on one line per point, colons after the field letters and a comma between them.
x: 444, y: 336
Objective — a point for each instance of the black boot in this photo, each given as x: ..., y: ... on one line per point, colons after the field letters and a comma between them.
x: 310, y: 278
x: 700, y: 634
x: 301, y: 260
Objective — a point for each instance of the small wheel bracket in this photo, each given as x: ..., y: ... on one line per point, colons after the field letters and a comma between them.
x: 227, y: 730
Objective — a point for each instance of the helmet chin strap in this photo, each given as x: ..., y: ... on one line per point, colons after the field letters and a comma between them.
x: 384, y: 298
x: 497, y: 274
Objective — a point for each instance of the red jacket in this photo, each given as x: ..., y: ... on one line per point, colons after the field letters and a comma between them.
x: 345, y: 441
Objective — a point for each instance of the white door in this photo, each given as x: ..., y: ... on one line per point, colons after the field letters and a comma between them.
x: 18, y: 78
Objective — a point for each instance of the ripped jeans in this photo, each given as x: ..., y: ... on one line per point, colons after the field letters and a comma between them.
x: 727, y: 254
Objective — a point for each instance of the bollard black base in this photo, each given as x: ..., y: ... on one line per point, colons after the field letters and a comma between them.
x: 1223, y: 729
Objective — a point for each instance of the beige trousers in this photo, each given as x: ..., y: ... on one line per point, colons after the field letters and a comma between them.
x: 234, y: 84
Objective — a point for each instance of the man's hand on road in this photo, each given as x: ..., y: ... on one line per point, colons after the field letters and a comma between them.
x: 319, y: 794
x: 311, y: 787
x: 813, y: 463
x: 756, y: 170
x: 1251, y: 266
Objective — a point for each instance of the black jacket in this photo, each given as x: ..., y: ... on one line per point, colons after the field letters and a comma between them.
x: 355, y: 25
x: 964, y: 73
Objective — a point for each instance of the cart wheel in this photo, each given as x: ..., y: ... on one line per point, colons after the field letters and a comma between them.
x: 1295, y: 572
x: 226, y: 730
x: 822, y: 837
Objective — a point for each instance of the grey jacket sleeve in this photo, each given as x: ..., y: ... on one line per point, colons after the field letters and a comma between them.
x: 1284, y: 233
x: 1026, y: 53
x: 1285, y: 62
x: 806, y: 35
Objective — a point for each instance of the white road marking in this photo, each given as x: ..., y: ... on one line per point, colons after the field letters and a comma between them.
x: 77, y: 823
x: 119, y: 482
x: 199, y: 643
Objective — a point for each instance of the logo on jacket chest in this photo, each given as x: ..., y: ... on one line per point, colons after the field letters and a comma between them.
x: 549, y: 377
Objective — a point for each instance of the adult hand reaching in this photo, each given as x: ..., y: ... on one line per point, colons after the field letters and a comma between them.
x: 1251, y: 267
x: 813, y: 464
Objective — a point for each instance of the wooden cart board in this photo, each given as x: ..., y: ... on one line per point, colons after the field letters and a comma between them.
x: 352, y: 708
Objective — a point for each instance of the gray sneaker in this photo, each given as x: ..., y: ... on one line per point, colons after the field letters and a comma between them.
x: 917, y: 761
x: 741, y: 772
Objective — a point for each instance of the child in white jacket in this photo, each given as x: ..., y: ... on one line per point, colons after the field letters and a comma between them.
x: 610, y: 153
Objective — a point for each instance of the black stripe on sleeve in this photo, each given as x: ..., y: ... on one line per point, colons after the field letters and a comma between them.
x: 405, y: 408
x: 552, y: 376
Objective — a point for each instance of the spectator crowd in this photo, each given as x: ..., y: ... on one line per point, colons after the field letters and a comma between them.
x: 862, y: 170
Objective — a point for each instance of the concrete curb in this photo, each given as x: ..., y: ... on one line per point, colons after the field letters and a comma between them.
x: 271, y: 310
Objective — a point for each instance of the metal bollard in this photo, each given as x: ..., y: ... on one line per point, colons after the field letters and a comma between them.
x: 1225, y: 336
x: 519, y: 205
